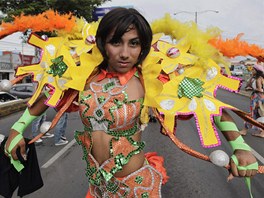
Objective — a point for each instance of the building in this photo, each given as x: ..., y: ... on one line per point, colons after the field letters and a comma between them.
x: 9, y: 61
x: 14, y: 53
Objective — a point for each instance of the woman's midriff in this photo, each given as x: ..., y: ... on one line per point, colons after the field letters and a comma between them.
x: 101, y: 144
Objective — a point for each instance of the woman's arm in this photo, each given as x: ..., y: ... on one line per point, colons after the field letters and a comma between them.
x: 37, y: 109
x: 259, y: 84
x: 242, y: 152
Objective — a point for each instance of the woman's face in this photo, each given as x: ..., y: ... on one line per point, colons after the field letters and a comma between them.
x: 123, y: 54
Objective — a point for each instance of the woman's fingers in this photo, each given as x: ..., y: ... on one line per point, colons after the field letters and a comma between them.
x: 233, y: 169
x: 22, y: 145
x: 13, y: 153
x: 23, y: 151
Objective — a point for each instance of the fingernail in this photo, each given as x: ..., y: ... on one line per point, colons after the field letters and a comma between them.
x: 24, y: 157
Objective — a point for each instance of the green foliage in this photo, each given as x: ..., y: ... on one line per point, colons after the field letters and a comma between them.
x: 32, y: 7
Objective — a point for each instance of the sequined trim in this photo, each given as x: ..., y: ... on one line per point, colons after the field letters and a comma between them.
x: 105, y: 107
x: 121, y: 150
x: 128, y: 187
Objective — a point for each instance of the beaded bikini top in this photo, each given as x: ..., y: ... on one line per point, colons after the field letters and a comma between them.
x: 105, y: 107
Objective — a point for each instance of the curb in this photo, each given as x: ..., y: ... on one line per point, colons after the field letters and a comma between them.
x: 13, y: 107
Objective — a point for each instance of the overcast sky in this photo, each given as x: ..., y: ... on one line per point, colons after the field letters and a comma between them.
x: 233, y: 17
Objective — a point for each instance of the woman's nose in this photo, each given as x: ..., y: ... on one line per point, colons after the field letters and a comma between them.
x: 124, y: 52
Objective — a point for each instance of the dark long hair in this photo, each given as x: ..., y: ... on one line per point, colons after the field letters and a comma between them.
x: 119, y: 20
x: 258, y: 74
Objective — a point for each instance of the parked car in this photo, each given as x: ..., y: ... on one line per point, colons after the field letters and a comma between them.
x: 6, y: 98
x: 23, y: 90
x: 237, y: 70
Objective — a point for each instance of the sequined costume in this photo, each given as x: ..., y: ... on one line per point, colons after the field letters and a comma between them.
x: 105, y: 107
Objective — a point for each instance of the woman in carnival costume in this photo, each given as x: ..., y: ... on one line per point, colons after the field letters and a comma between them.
x: 117, y: 74
x: 256, y: 101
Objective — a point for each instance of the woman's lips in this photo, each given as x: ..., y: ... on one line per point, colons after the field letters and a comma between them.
x: 124, y: 64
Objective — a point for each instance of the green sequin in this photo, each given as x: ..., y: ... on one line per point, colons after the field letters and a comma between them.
x: 112, y: 187
x: 82, y: 101
x: 121, y: 160
x: 108, y: 86
x: 139, y: 179
x: 107, y: 176
x: 58, y: 67
x: 101, y: 99
x: 99, y: 113
x: 118, y: 103
x: 145, y: 195
x: 190, y: 87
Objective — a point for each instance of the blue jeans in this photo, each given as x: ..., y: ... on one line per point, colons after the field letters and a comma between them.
x: 60, y: 127
x: 36, y: 124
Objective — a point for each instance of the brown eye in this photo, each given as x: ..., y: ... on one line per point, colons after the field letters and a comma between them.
x: 135, y: 43
x: 115, y: 42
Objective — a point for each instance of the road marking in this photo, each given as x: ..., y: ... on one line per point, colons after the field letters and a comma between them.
x: 57, y: 155
x: 258, y: 156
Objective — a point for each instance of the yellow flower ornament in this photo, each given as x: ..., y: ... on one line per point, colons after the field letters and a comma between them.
x: 162, y: 57
x: 53, y: 68
x: 181, y: 84
x: 88, y: 38
x: 58, y: 69
x: 193, y: 92
x: 174, y: 55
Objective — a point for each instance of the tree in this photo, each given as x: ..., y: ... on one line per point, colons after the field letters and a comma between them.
x: 32, y: 7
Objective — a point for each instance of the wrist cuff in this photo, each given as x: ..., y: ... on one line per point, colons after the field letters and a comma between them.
x: 23, y: 122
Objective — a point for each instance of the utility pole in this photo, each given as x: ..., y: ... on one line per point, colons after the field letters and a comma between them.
x: 196, y: 13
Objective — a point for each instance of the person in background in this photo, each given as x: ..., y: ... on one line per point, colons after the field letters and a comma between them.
x: 152, y: 118
x: 256, y: 101
x: 60, y: 129
x: 250, y: 81
x: 38, y: 122
x: 36, y: 126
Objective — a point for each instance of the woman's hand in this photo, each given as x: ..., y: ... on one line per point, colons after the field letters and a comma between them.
x: 244, y: 158
x: 21, y: 144
x: 36, y: 109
